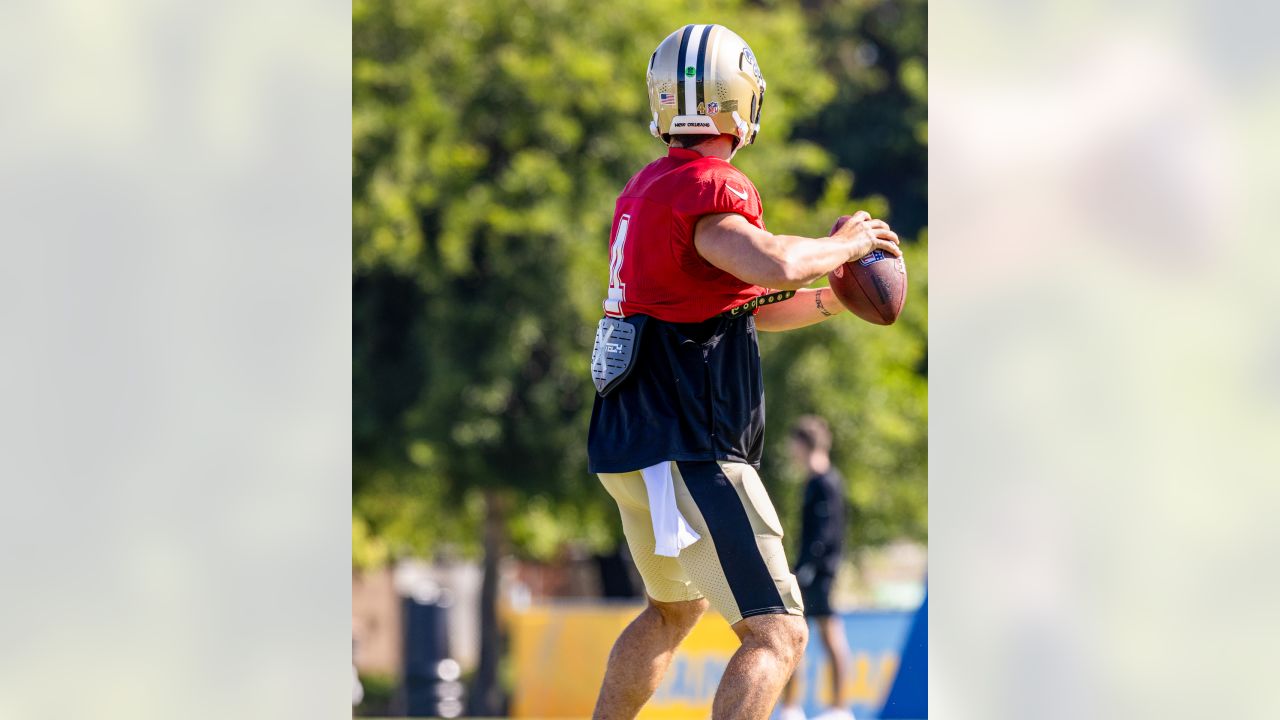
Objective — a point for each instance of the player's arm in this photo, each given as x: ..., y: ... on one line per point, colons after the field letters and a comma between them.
x: 786, y: 262
x: 806, y: 307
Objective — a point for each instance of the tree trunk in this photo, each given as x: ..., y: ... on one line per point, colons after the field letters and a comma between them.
x: 486, y: 696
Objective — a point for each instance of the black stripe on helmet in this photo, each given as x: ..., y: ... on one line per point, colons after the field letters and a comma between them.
x: 702, y: 64
x: 684, y: 47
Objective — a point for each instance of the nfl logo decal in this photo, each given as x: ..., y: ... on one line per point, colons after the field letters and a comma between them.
x: 666, y: 98
x: 713, y: 108
x: 875, y: 256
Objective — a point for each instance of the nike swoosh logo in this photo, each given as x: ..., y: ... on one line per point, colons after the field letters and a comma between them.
x: 740, y: 193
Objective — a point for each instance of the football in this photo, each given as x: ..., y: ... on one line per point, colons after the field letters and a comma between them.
x: 873, y: 287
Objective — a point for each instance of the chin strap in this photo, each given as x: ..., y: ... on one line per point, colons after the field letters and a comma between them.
x: 744, y: 128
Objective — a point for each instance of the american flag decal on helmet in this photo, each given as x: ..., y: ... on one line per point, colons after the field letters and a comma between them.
x: 667, y: 98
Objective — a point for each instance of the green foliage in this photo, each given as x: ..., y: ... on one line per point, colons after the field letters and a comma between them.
x: 490, y: 140
x: 877, y: 123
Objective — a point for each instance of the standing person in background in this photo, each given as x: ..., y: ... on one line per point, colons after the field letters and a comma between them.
x: 822, y: 532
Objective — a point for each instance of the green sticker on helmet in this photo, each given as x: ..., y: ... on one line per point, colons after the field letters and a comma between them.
x: 690, y: 71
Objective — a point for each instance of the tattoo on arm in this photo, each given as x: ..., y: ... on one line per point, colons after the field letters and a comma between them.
x: 817, y: 299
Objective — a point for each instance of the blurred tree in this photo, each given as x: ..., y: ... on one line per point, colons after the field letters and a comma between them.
x: 489, y: 142
x: 877, y: 123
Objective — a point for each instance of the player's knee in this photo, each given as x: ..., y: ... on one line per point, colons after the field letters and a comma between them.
x: 794, y: 637
x: 784, y: 635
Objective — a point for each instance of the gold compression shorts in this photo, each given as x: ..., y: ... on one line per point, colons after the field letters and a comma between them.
x: 738, y: 563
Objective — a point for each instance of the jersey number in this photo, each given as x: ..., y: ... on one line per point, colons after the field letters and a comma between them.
x: 617, y: 289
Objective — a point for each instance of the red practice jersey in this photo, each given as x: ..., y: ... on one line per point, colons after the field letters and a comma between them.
x: 654, y: 268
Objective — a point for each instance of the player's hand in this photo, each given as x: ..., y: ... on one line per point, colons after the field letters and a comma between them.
x: 866, y: 234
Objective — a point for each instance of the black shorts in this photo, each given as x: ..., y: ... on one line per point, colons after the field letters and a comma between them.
x: 817, y: 595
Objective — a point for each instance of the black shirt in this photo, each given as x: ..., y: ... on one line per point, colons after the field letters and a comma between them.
x: 695, y: 392
x: 822, y: 523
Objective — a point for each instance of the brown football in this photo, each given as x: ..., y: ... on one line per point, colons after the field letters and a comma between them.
x: 873, y: 287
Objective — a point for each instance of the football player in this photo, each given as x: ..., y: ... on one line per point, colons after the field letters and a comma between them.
x: 678, y: 422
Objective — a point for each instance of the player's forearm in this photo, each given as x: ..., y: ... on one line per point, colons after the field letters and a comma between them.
x: 759, y: 257
x: 807, y: 307
x: 803, y: 260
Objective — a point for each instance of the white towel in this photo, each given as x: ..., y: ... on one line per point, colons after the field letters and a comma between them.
x: 671, y: 531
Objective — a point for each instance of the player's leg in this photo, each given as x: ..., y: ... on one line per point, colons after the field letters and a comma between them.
x: 791, y: 699
x: 771, y: 649
x: 643, y: 651
x: 641, y: 655
x: 791, y: 709
x: 739, y: 564
x: 831, y: 631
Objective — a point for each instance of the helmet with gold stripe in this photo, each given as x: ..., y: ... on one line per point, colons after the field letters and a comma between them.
x: 704, y: 80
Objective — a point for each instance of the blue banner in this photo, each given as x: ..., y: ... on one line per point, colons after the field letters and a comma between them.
x: 876, y: 639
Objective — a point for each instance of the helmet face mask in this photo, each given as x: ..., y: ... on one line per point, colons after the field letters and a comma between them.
x: 704, y: 80
x: 756, y: 120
